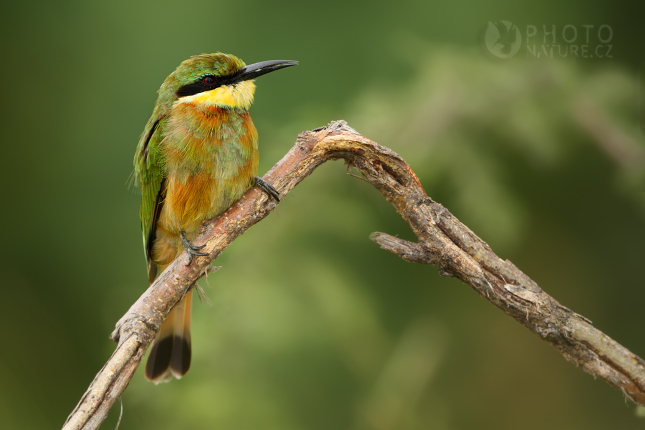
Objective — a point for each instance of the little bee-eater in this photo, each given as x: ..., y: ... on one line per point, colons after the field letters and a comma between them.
x: 197, y: 155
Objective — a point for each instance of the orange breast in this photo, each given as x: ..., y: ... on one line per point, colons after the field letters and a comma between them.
x: 211, y: 157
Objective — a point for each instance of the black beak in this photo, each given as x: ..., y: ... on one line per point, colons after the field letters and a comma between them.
x: 252, y: 71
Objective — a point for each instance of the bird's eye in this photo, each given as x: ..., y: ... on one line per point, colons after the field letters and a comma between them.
x: 209, y: 80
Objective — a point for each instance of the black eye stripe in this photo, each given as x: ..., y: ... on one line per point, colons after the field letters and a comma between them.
x: 201, y: 85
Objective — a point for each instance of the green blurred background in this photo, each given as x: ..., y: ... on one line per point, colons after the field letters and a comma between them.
x: 312, y: 326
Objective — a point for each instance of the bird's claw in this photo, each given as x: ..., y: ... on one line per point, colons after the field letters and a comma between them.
x: 267, y: 188
x: 191, y: 249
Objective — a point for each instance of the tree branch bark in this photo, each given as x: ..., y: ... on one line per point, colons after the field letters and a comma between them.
x: 443, y: 241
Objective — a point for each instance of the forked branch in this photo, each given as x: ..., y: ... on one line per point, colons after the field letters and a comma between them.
x: 443, y: 241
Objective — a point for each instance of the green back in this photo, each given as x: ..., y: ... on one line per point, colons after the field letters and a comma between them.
x: 150, y: 173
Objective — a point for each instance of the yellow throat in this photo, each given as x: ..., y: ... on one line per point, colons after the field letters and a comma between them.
x: 236, y: 95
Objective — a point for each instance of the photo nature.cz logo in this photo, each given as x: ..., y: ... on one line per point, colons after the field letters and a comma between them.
x: 503, y: 40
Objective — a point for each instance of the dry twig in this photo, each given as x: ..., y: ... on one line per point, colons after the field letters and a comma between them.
x: 442, y: 241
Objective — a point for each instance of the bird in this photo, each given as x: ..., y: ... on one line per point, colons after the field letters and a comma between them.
x: 197, y: 155
x: 507, y: 37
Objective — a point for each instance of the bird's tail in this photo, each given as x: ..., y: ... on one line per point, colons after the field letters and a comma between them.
x: 170, y: 352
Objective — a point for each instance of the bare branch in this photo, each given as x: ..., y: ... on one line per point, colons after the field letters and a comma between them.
x: 443, y: 241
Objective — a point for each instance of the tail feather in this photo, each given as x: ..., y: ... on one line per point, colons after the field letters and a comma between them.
x: 170, y: 352
x: 181, y: 353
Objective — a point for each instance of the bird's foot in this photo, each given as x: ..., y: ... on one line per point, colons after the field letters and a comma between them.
x: 191, y: 249
x: 267, y: 188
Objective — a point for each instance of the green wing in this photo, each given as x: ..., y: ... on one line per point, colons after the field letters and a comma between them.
x: 149, y: 171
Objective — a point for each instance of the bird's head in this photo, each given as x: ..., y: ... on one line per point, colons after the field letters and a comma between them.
x: 217, y: 79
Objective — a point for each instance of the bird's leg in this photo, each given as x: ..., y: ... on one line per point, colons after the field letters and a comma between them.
x: 267, y: 188
x: 191, y: 249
